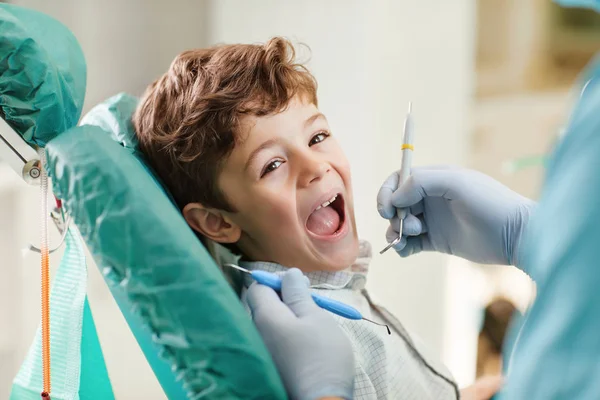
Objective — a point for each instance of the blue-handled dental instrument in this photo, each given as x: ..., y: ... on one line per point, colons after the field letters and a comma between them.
x: 274, y: 282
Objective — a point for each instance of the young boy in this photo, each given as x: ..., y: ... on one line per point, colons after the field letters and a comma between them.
x: 236, y: 134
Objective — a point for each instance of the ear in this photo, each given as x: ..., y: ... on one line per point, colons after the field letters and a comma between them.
x: 212, y: 223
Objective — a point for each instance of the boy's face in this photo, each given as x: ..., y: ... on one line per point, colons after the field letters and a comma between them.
x: 280, y: 179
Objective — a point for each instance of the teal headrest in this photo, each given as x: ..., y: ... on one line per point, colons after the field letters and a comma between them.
x: 151, y: 258
x: 42, y: 74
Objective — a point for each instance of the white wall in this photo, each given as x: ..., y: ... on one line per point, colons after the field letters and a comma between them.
x: 370, y: 59
x: 10, y: 265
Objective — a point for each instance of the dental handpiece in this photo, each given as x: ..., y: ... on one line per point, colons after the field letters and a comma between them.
x: 407, y: 153
x: 274, y: 282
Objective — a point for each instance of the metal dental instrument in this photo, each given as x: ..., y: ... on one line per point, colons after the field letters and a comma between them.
x: 274, y: 282
x: 407, y: 153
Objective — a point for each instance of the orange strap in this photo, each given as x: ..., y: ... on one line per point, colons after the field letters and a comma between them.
x: 46, y: 320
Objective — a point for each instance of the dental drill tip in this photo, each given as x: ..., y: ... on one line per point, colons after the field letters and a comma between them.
x: 391, y: 244
x: 386, y: 248
x: 376, y: 323
x: 409, y: 107
x: 395, y: 241
x: 238, y: 268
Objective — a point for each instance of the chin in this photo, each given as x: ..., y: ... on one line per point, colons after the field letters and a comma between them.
x: 343, y: 256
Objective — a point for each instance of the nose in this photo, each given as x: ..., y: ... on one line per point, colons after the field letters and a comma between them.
x: 313, y: 169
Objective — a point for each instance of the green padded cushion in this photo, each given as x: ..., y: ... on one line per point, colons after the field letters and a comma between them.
x: 153, y: 262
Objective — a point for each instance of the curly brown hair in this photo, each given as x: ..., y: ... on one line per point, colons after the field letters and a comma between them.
x: 186, y: 121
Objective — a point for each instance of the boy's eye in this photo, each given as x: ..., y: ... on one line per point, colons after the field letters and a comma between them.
x: 318, y: 138
x: 272, y: 166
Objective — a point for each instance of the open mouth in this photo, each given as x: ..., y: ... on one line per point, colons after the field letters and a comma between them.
x: 328, y: 219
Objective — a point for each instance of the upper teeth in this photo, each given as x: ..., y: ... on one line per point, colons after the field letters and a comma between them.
x: 328, y: 202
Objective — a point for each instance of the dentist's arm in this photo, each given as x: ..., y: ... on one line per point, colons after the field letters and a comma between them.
x: 456, y: 211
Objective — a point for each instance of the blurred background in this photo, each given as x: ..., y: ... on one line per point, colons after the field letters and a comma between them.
x: 490, y: 82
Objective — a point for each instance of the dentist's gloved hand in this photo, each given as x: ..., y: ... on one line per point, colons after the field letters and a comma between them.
x: 455, y: 211
x: 313, y: 355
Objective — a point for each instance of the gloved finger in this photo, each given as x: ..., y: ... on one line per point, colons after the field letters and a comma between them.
x: 296, y: 293
x: 384, y: 203
x: 412, y: 226
x: 264, y: 301
x: 395, y: 224
x: 408, y: 194
x: 307, y: 280
x: 417, y: 209
x: 415, y: 245
x: 421, y: 219
x: 422, y: 183
x: 401, y: 212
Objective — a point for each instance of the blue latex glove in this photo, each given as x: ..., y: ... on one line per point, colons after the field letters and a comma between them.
x: 313, y: 355
x: 455, y: 211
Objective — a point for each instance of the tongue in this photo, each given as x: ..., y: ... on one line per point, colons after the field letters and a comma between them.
x: 323, y: 222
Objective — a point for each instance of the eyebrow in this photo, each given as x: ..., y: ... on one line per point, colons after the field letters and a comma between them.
x: 313, y: 118
x: 310, y: 120
x: 260, y: 148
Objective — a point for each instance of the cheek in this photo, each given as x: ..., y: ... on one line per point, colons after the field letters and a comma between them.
x: 268, y: 211
x: 279, y: 207
x: 343, y: 167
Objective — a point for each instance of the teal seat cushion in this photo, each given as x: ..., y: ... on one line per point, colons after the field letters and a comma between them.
x: 173, y: 295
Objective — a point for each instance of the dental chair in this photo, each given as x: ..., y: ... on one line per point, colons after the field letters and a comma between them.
x: 187, y: 319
